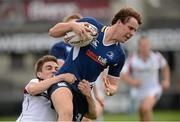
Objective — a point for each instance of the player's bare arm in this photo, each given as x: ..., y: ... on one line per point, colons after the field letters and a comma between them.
x: 131, y: 81
x: 98, y: 97
x: 36, y: 88
x: 60, y: 29
x: 165, y: 83
x: 84, y: 87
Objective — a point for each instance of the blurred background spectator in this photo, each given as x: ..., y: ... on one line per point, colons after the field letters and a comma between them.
x: 24, y: 38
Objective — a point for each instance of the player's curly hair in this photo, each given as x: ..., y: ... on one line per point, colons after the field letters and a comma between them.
x: 39, y: 64
x: 125, y: 14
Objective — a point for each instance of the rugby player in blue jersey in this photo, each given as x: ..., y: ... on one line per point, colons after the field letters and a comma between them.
x: 89, y: 61
x: 61, y: 50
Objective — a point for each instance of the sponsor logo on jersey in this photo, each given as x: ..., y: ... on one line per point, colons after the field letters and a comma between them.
x: 94, y: 43
x: 98, y: 59
x: 110, y: 54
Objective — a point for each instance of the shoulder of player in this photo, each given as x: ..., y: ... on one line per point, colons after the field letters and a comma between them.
x: 156, y: 53
x: 121, y: 52
x: 132, y: 57
x: 91, y: 20
x: 120, y: 48
x: 87, y: 19
x: 34, y: 80
x: 158, y: 56
x: 59, y: 44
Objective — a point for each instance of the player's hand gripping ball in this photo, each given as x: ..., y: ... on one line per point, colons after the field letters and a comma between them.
x: 74, y: 40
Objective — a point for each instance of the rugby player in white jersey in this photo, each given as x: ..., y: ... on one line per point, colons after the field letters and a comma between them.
x: 36, y: 105
x: 141, y: 70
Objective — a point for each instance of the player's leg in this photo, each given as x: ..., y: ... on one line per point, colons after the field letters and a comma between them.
x: 62, y: 101
x: 86, y: 119
x: 99, y: 95
x: 99, y: 109
x: 146, y: 108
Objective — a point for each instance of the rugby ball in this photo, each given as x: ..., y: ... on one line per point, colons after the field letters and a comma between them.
x: 74, y: 40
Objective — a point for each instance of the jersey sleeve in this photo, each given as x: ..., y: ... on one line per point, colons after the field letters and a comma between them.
x: 59, y: 50
x: 115, y: 69
x: 162, y: 61
x: 31, y: 81
x: 54, y: 50
x: 125, y: 68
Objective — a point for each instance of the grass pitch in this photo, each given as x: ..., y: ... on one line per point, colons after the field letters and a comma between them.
x: 158, y: 116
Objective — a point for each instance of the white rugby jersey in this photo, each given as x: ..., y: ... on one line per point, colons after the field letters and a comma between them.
x: 36, y: 108
x: 146, y: 71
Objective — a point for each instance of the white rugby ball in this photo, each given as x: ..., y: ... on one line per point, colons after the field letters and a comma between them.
x: 74, y: 40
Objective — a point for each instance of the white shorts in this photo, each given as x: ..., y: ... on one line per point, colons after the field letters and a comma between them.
x: 139, y: 95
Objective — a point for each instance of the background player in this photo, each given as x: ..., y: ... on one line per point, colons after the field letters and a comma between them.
x: 88, y: 62
x: 141, y: 70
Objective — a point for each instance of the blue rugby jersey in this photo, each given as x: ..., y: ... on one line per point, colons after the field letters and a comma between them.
x: 60, y: 50
x: 89, y: 61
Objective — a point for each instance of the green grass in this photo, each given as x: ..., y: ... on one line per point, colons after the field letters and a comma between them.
x: 6, y: 118
x: 158, y: 116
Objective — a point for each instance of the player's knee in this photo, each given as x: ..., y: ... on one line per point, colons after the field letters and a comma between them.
x: 145, y: 109
x: 94, y: 117
x: 66, y: 116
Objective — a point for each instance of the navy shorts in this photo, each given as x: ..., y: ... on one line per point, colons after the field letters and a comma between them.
x: 80, y: 105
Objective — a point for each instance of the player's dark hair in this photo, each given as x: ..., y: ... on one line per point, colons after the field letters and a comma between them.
x: 125, y: 14
x: 39, y: 64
